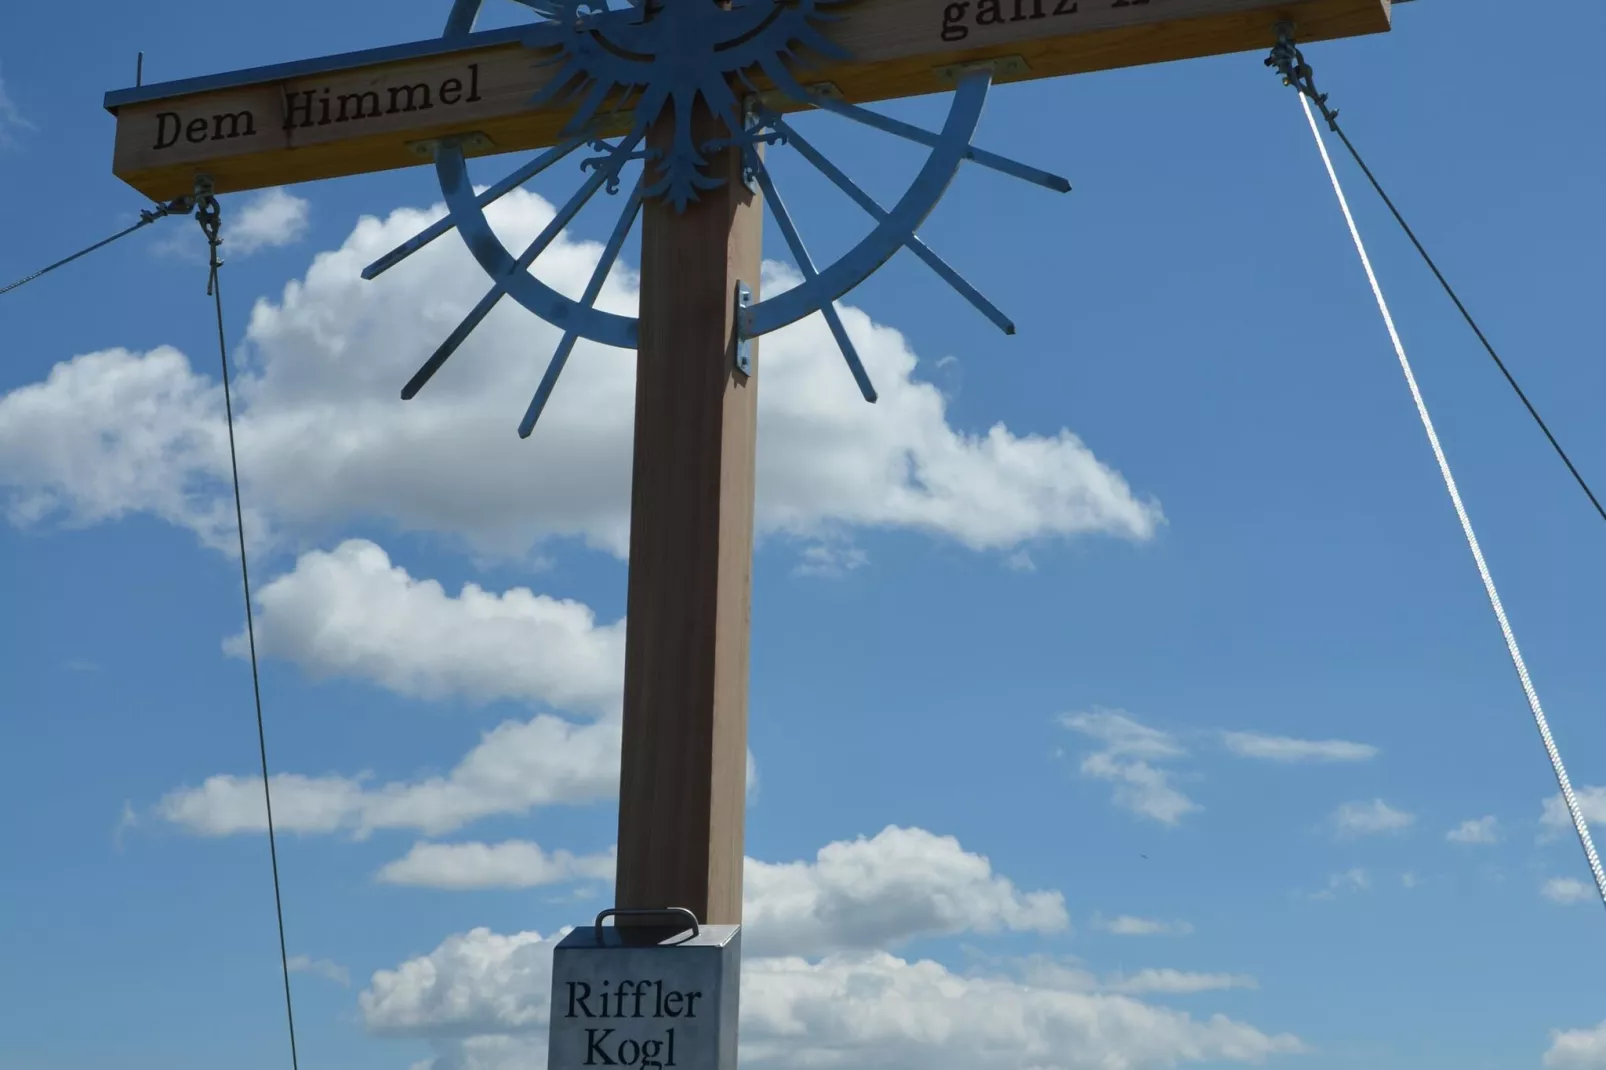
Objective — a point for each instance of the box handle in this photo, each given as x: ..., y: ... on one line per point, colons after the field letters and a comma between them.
x: 679, y: 913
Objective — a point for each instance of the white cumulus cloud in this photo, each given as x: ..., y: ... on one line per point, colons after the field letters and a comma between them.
x: 871, y: 892
x: 1129, y: 759
x: 516, y: 767
x: 351, y: 612
x: 882, y: 892
x: 478, y: 982
x: 482, y: 999
x: 112, y: 434
x: 325, y: 440
x: 270, y: 219
x: 1577, y: 1049
x: 1289, y: 750
x: 879, y: 1010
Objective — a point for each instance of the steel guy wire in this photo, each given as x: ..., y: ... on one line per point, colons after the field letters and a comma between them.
x: 1290, y: 63
x: 1580, y: 823
x: 180, y: 206
x: 210, y: 216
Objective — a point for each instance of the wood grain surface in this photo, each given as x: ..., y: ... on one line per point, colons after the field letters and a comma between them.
x: 683, y: 776
x: 899, y: 49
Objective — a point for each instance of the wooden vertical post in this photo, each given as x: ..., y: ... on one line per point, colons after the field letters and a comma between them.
x: 682, y: 788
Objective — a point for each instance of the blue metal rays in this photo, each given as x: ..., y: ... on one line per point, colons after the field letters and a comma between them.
x: 660, y: 61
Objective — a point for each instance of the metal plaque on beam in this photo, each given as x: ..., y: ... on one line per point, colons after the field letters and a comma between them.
x: 655, y: 992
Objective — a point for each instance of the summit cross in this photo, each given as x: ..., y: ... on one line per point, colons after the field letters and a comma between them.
x: 701, y: 201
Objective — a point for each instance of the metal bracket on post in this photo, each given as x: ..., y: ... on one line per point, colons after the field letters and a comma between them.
x: 475, y: 144
x: 781, y: 100
x: 744, y: 344
x: 1004, y: 68
x: 752, y: 125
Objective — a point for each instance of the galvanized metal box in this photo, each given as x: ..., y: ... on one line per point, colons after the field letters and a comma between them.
x: 651, y: 996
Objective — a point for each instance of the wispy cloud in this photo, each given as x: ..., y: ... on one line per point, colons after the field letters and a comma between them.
x: 1481, y: 830
x: 1372, y: 818
x: 830, y: 559
x: 1591, y: 800
x: 514, y: 864
x: 1177, y: 982
x: 1128, y: 925
x: 1128, y: 759
x: 1567, y: 891
x: 324, y: 968
x: 126, y: 821
x: 1020, y: 561
x: 1289, y: 751
x: 11, y: 119
x: 1124, y: 735
x: 1351, y: 880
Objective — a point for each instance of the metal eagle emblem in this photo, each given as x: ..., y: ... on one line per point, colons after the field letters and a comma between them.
x: 662, y: 58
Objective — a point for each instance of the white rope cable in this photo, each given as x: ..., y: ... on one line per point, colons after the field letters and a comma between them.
x: 1579, y: 822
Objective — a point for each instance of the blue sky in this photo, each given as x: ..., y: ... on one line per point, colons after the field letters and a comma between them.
x: 1042, y: 700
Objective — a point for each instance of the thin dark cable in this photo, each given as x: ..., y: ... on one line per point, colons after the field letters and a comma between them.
x: 1297, y: 73
x: 208, y: 213
x: 146, y: 218
x: 1466, y: 315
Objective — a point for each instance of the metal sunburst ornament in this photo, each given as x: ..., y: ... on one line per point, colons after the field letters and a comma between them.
x: 658, y: 61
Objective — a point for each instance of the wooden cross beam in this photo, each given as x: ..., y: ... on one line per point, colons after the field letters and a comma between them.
x: 682, y: 785
x: 380, y: 109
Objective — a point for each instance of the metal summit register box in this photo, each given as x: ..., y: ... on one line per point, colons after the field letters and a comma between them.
x: 656, y: 993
